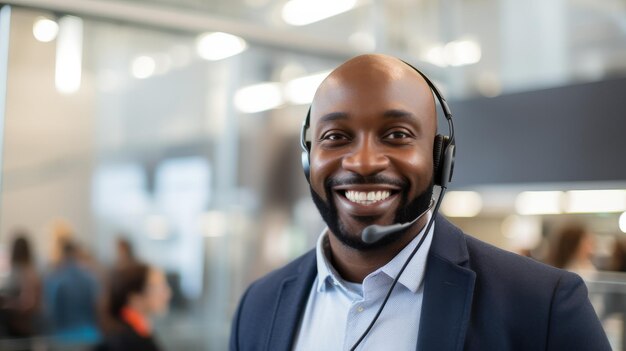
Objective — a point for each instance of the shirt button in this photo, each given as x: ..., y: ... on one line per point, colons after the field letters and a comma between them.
x: 360, y: 309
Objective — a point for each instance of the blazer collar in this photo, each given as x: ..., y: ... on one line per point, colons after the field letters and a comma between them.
x: 449, y: 242
x: 448, y: 291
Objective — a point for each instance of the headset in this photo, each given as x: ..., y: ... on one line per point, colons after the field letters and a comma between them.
x: 444, y: 147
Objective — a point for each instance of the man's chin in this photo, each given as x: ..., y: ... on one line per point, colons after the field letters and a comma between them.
x: 353, y: 240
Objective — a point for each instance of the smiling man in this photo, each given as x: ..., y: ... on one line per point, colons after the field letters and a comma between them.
x: 372, y: 139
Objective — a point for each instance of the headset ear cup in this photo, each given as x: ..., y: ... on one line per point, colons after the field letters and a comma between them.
x: 438, y: 149
x: 306, y: 147
x: 306, y: 165
x: 447, y: 166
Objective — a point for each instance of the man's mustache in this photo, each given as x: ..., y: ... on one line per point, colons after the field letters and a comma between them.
x: 354, y: 179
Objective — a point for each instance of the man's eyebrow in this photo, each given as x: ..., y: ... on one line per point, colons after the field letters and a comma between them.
x: 333, y: 116
x: 395, y: 113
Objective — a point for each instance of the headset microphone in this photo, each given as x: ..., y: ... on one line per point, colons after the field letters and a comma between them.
x: 375, y: 232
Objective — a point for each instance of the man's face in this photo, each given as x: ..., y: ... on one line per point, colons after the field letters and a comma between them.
x: 372, y: 143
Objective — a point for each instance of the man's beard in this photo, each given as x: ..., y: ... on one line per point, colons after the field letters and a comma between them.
x: 406, y: 212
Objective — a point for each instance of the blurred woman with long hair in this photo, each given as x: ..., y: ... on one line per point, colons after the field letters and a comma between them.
x: 137, y: 293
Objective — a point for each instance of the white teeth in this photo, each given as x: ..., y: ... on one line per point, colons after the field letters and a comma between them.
x: 366, y: 198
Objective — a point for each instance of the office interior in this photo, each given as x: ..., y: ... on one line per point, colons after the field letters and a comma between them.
x: 175, y: 124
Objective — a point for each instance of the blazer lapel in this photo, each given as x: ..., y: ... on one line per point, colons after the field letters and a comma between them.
x: 448, y: 291
x: 291, y: 302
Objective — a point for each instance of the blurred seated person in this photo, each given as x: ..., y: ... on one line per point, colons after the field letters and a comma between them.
x: 137, y: 293
x: 20, y: 296
x: 572, y: 249
x: 70, y: 296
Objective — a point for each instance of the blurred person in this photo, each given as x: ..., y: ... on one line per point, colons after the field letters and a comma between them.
x: 617, y: 261
x: 572, y: 249
x: 137, y: 293
x: 21, y: 295
x: 60, y: 232
x: 372, y: 158
x: 124, y: 258
x: 615, y: 299
x: 71, y: 294
x: 125, y: 254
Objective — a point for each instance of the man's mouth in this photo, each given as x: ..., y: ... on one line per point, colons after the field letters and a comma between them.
x: 367, y: 197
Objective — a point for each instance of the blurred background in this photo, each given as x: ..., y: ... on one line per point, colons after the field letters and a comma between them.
x: 171, y: 127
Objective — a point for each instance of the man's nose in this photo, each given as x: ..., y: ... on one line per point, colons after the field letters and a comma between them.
x: 366, y: 158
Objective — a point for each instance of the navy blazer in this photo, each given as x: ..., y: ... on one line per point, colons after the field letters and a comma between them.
x: 476, y: 297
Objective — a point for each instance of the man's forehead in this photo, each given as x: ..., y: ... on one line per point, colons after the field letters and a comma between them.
x: 370, y: 79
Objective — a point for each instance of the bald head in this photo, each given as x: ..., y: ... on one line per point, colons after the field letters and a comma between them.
x: 372, y: 65
x: 372, y: 76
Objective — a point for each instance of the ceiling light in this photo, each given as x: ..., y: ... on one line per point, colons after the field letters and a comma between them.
x: 462, y: 52
x: 539, y: 202
x: 216, y: 46
x: 303, y: 12
x: 259, y: 97
x: 435, y: 56
x: 45, y: 29
x: 143, y: 67
x: 462, y: 204
x: 69, y: 54
x: 301, y: 90
x: 596, y: 201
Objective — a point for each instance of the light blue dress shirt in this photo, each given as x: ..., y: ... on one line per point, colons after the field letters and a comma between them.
x: 338, y: 312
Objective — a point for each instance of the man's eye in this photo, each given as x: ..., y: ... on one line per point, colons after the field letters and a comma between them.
x: 334, y: 137
x: 397, y: 135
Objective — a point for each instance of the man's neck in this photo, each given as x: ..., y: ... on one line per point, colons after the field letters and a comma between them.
x: 354, y: 265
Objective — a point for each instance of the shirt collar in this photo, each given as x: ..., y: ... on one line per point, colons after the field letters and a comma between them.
x: 413, y: 275
x: 325, y: 271
x: 411, y: 278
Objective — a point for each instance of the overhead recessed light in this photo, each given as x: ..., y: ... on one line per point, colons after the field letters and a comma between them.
x: 462, y: 204
x: 301, y: 90
x: 218, y: 45
x: 259, y: 97
x: 45, y: 29
x: 596, y: 201
x: 539, y: 202
x: 69, y: 55
x: 143, y: 67
x: 303, y: 12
